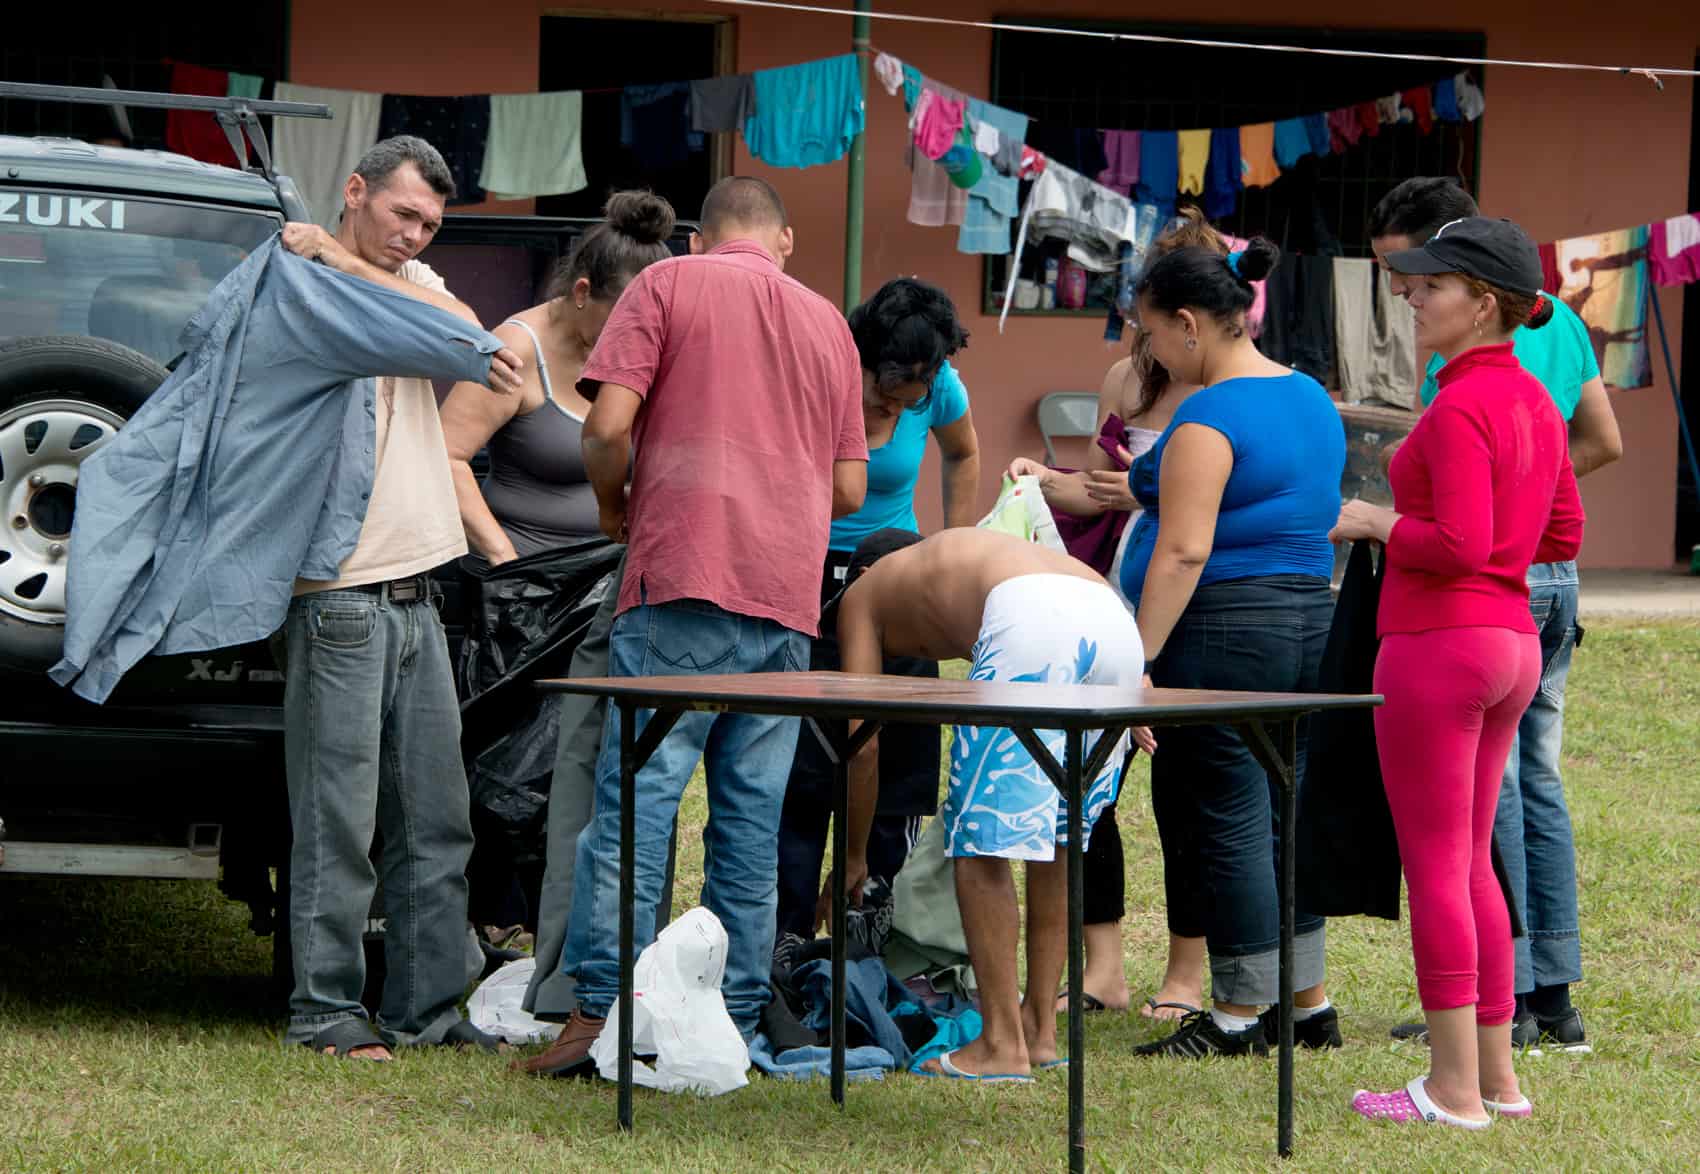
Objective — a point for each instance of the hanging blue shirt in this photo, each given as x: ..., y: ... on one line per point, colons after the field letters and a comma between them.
x: 1159, y: 170
x: 1292, y: 142
x: 248, y: 468
x: 895, y: 466
x: 1283, y: 494
x: 1321, y: 141
x: 806, y: 114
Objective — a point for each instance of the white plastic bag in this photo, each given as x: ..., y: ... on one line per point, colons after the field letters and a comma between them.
x: 1021, y: 510
x: 679, y: 1015
x: 495, y: 1007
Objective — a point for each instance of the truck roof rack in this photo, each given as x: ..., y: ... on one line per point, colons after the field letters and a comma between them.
x: 238, y: 116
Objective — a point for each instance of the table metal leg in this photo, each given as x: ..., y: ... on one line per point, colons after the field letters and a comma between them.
x: 1076, y: 955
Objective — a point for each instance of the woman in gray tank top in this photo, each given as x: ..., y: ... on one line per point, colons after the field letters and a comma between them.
x: 537, y: 495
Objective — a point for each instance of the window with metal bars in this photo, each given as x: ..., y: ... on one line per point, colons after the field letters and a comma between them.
x: 1322, y: 205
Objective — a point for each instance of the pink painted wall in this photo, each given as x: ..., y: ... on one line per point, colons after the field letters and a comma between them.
x: 1563, y: 154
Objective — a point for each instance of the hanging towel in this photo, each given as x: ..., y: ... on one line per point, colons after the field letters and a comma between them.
x: 536, y: 145
x: 889, y: 70
x: 1369, y: 118
x: 196, y: 133
x: 1605, y: 282
x: 1374, y: 337
x: 1446, y: 100
x: 245, y: 85
x: 1292, y: 141
x: 933, y: 200
x: 1298, y: 323
x: 938, y: 120
x: 1091, y: 217
x: 1419, y: 104
x: 1673, y: 250
x: 1344, y: 129
x: 1159, y: 170
x: 806, y: 114
x: 1259, y: 295
x: 1193, y: 149
x: 1471, y: 103
x: 1121, y: 154
x: 995, y: 199
x: 1388, y: 110
x: 459, y: 127
x: 655, y: 125
x: 987, y: 140
x: 1551, y: 281
x: 319, y: 154
x: 1222, y: 178
x: 912, y: 85
x: 722, y: 103
x: 1257, y: 155
x: 1321, y: 141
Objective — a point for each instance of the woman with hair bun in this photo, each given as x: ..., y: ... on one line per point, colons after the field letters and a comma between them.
x: 1482, y: 488
x: 537, y: 495
x: 1229, y: 569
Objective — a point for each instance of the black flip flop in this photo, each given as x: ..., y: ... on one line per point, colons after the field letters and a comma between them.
x: 1089, y: 1002
x: 1184, y: 1008
x: 346, y: 1035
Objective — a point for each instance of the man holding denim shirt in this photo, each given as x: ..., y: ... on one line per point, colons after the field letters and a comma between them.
x: 742, y: 391
x: 1532, y: 822
x: 372, y: 723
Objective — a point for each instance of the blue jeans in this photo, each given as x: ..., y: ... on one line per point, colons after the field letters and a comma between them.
x: 1532, y: 823
x: 372, y: 742
x: 747, y: 759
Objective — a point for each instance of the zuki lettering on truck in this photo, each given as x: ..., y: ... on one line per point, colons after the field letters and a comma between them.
x: 69, y: 211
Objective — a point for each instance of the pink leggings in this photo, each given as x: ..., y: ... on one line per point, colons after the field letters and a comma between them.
x: 1454, y: 698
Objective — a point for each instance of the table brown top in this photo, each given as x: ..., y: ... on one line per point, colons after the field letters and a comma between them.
x: 989, y: 703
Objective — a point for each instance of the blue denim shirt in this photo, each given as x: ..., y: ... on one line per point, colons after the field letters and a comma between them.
x: 249, y: 467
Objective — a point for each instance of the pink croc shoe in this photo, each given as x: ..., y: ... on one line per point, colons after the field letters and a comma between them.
x: 1519, y: 1108
x: 1409, y: 1104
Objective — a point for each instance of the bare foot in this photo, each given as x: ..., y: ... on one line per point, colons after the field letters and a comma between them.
x: 1040, y: 1034
x: 976, y: 1059
x: 377, y: 1053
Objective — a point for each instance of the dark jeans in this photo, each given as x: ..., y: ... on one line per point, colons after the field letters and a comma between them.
x: 1215, y: 806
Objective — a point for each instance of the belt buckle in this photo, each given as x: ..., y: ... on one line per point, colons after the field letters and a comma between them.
x: 404, y: 590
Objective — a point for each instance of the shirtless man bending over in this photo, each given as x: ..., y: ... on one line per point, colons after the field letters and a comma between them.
x: 1022, y: 613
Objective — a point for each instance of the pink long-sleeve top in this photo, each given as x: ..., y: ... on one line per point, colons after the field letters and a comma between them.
x: 1485, y: 487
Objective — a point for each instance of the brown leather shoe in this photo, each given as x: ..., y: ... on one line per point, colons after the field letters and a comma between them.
x: 569, y: 1055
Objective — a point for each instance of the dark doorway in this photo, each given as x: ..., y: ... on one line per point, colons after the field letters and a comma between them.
x: 601, y: 56
x: 1687, y: 493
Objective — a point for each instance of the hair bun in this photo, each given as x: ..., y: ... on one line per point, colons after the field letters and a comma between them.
x: 1257, y: 259
x: 643, y: 216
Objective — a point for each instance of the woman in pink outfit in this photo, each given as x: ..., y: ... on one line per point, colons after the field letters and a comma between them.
x: 1482, y: 488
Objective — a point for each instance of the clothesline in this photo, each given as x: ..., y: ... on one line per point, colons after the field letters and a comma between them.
x: 1651, y: 73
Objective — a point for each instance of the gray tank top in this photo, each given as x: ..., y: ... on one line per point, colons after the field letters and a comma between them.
x: 537, y: 486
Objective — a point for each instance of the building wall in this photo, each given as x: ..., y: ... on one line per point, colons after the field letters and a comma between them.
x: 1563, y: 154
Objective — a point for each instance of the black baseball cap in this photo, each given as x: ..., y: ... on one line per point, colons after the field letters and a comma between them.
x: 868, y: 552
x: 1494, y: 251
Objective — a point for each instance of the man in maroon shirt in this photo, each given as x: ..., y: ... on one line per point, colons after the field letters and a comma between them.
x: 741, y: 391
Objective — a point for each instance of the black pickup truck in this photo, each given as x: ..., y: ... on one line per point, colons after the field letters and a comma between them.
x: 105, y: 253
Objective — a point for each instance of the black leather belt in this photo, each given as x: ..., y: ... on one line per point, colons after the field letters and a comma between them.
x: 401, y: 590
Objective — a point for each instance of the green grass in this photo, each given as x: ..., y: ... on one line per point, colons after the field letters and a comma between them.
x: 137, y: 1029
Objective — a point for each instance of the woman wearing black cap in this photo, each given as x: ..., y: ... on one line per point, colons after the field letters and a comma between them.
x: 1482, y: 488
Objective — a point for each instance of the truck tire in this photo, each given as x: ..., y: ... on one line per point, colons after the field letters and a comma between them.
x: 61, y: 398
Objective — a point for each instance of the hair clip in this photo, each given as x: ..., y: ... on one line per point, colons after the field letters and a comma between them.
x: 1233, y: 261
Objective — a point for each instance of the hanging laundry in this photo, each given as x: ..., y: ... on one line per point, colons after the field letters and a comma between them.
x: 1551, y: 281
x: 1471, y: 102
x: 1193, y: 149
x: 1079, y: 150
x: 536, y: 145
x: 1389, y: 110
x: 319, y: 154
x: 912, y: 84
x: 1121, y: 154
x: 196, y: 133
x: 806, y: 114
x: 245, y: 85
x: 459, y: 127
x: 1222, y: 180
x: 1257, y: 155
x: 1673, y: 250
x: 1369, y: 118
x: 1344, y: 129
x: 938, y: 120
x: 933, y: 200
x: 1259, y: 291
x: 987, y: 141
x: 1092, y: 218
x: 889, y: 70
x: 1159, y: 170
x: 655, y: 125
x: 1292, y: 141
x: 1032, y: 164
x: 1298, y: 322
x: 1605, y: 281
x: 1375, y: 346
x: 962, y: 162
x: 1419, y: 104
x: 1321, y: 141
x: 722, y: 103
x: 1446, y: 100
x: 995, y: 199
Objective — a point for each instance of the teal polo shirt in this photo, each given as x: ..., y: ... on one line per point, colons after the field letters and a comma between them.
x: 1559, y: 354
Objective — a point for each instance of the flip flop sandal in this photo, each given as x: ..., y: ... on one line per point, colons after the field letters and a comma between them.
x: 1089, y: 1002
x: 1053, y: 1065
x: 345, y: 1036
x: 1410, y: 1104
x: 1184, y: 1008
x: 949, y: 1071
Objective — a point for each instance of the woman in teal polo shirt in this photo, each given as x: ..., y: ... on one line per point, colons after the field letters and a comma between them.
x: 905, y: 335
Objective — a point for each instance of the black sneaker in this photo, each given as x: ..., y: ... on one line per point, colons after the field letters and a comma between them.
x: 1321, y: 1030
x: 1525, y: 1032
x: 1417, y: 1032
x: 1563, y: 1034
x: 785, y: 952
x: 1199, y: 1036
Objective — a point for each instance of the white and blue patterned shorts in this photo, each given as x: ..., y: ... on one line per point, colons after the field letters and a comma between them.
x: 1057, y: 629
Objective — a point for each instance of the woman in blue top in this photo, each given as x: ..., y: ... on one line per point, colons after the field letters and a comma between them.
x: 1230, y: 578
x: 905, y: 335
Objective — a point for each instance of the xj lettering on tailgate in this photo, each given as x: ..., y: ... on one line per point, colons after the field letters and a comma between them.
x: 54, y: 211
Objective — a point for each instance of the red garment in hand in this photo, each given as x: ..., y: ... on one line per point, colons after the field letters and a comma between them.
x: 196, y: 133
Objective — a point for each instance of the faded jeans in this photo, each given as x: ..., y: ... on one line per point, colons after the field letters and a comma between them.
x: 1532, y: 823
x: 372, y: 743
x: 748, y: 761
